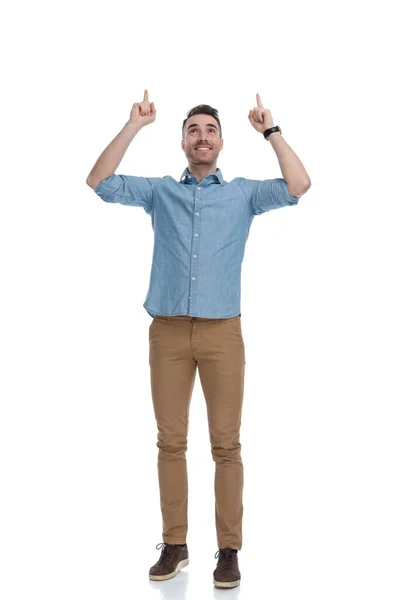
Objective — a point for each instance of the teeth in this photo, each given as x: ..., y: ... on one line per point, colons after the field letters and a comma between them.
x: 202, y: 148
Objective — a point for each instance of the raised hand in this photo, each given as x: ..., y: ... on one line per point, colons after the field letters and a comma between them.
x: 143, y: 113
x: 260, y: 117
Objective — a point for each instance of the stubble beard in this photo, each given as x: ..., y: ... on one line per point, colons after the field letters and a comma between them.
x: 205, y: 160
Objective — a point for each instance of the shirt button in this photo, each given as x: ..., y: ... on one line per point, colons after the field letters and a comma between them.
x: 193, y: 277
x: 199, y: 188
x: 197, y: 214
x: 196, y: 234
x: 194, y: 255
x: 189, y: 176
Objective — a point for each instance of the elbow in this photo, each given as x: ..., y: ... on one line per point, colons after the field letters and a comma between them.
x: 307, y: 186
x: 91, y: 183
x: 299, y: 190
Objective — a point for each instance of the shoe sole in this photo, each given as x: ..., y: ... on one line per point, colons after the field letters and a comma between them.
x: 180, y: 565
x: 226, y: 584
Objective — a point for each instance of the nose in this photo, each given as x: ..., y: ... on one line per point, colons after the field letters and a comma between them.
x: 202, y: 136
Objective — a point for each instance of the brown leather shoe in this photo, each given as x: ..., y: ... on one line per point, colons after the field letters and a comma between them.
x: 227, y: 574
x: 173, y: 558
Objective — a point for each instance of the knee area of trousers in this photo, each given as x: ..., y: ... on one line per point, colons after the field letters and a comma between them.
x: 173, y: 446
x: 230, y: 452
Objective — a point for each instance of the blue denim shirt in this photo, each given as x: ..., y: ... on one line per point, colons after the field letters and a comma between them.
x: 200, y: 233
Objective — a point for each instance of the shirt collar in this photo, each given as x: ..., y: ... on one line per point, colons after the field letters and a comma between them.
x: 187, y: 177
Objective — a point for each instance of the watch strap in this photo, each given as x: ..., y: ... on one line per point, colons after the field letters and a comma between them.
x: 268, y: 132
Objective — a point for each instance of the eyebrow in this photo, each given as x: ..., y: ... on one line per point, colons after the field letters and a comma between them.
x: 196, y: 125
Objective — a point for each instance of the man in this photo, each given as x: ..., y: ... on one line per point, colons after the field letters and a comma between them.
x: 201, y: 225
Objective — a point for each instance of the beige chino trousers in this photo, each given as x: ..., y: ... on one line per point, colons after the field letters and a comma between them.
x: 179, y: 345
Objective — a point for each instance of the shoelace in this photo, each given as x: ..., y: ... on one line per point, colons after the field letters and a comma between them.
x: 164, y: 554
x: 226, y: 555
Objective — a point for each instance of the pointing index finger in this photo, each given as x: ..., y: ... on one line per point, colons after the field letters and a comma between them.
x: 259, y: 103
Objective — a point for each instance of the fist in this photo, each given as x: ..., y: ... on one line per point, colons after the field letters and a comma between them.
x: 143, y: 113
x: 260, y: 117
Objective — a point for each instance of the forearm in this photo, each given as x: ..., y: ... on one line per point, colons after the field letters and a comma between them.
x: 291, y: 166
x: 110, y: 158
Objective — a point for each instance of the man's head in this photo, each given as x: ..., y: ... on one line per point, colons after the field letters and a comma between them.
x: 202, y: 129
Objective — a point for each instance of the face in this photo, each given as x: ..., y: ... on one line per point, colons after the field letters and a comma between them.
x: 202, y: 142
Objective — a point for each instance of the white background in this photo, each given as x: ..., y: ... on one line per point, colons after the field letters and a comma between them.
x: 80, y: 514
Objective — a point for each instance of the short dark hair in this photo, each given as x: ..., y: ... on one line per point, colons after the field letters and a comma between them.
x: 203, y: 109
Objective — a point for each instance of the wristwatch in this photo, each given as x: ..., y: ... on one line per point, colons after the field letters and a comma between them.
x: 268, y: 132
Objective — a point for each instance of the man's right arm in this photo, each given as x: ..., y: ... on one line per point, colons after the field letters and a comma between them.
x: 142, y: 114
x: 109, y: 159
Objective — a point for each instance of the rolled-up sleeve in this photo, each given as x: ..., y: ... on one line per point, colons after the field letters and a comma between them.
x: 266, y: 195
x: 129, y: 190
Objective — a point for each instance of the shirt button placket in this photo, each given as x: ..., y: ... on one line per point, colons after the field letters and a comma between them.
x: 193, y: 295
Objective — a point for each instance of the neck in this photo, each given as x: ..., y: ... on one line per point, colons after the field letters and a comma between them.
x: 201, y: 171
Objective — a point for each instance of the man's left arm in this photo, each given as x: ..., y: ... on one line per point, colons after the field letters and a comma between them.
x: 293, y: 171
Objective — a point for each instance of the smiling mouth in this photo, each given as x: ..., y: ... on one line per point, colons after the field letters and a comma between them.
x: 203, y: 149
